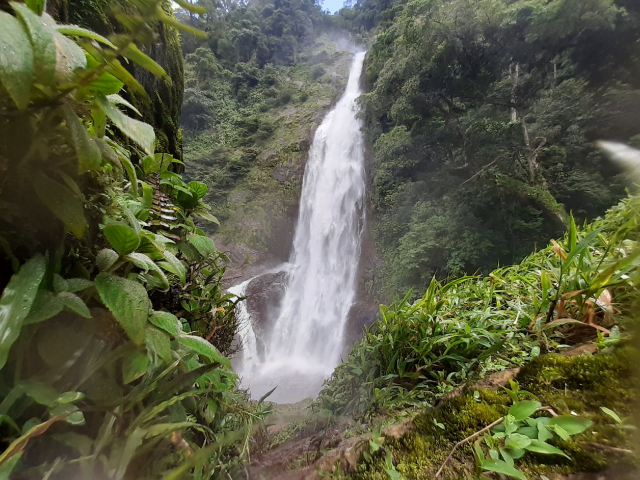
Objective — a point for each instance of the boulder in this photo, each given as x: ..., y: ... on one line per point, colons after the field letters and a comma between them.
x: 361, y: 315
x: 264, y: 295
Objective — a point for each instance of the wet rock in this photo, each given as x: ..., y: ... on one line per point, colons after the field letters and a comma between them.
x: 361, y: 315
x: 264, y: 295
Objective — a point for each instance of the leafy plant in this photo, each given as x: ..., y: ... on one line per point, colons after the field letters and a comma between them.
x: 520, y: 432
x: 471, y: 326
x: 103, y: 369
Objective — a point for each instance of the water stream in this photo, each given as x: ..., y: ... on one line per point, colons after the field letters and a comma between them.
x: 307, y: 337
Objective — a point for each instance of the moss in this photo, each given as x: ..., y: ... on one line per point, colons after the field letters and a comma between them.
x: 579, y: 384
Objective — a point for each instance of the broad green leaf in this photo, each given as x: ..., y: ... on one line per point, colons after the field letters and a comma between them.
x: 143, y: 262
x: 159, y: 343
x: 203, y: 244
x: 134, y: 54
x: 523, y: 409
x: 16, y: 60
x: 16, y: 301
x: 73, y: 416
x: 89, y: 155
x: 506, y: 456
x: 44, y: 50
x: 40, y: 392
x: 70, y: 397
x: 572, y: 425
x: 204, y: 348
x: 78, y: 284
x: 106, y: 258
x: 516, y: 441
x: 543, y: 433
x: 59, y: 284
x: 612, y: 414
x: 531, y: 432
x: 499, y: 466
x: 140, y: 132
x: 128, y: 301
x: 62, y: 202
x: 134, y: 366
x: 70, y: 58
x: 105, y: 84
x: 542, y: 447
x: 122, y: 237
x: 167, y: 322
x: 83, y: 32
x: 36, y: 6
x: 208, y: 217
x: 118, y: 100
x: 74, y: 303
x: 116, y: 69
x: 46, y: 305
x: 158, y: 163
x: 199, y: 189
x: 175, y: 266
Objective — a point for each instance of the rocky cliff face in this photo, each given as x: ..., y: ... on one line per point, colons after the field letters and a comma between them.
x: 166, y: 97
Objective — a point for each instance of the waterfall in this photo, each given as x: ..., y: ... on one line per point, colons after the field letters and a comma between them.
x: 246, y: 334
x: 307, y: 337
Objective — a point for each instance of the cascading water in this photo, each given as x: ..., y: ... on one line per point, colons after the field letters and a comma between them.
x: 307, y: 337
x: 245, y: 329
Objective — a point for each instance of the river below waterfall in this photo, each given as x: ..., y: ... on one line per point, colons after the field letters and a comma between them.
x: 306, y: 336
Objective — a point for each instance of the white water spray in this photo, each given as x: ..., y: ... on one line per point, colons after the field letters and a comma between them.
x: 307, y: 337
x: 245, y: 329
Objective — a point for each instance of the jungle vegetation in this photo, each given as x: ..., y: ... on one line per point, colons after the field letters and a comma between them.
x: 115, y: 334
x: 256, y: 58
x: 482, y: 117
x: 113, y: 325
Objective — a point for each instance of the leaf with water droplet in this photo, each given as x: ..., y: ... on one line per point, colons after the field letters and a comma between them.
x: 16, y: 60
x: 140, y: 132
x: 16, y: 301
x: 128, y: 301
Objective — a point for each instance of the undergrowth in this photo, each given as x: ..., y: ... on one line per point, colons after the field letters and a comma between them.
x: 584, y: 384
x: 470, y: 326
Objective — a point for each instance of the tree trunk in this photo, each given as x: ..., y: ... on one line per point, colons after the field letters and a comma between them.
x: 514, y: 74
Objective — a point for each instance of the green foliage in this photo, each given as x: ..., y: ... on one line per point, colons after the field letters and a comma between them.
x: 472, y: 326
x: 110, y: 286
x: 261, y: 67
x: 519, y: 432
x: 481, y: 117
x: 584, y: 384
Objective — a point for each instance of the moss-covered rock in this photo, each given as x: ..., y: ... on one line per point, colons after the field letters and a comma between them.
x: 570, y: 385
x: 166, y: 96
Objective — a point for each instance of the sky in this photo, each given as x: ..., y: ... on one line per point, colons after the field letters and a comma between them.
x: 332, y: 5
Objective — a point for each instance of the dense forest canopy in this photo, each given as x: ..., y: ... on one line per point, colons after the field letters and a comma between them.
x: 258, y: 57
x: 482, y: 117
